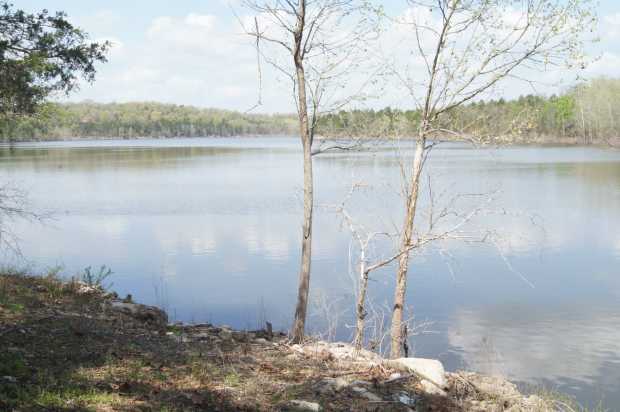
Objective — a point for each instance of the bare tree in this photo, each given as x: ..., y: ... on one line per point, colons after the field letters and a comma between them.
x: 465, y: 48
x: 14, y: 205
x: 446, y: 218
x: 321, y: 42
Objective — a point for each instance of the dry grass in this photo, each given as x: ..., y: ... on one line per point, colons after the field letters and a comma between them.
x: 66, y: 352
x: 63, y: 350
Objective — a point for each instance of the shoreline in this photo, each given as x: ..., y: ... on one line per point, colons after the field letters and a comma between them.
x: 71, y: 344
x: 538, y: 141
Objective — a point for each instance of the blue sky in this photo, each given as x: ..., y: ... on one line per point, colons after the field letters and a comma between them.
x: 190, y: 52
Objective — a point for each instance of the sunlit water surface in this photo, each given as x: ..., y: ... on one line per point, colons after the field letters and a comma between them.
x: 209, y: 229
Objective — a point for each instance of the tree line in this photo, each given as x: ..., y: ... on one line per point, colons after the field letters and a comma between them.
x: 131, y: 120
x: 586, y: 113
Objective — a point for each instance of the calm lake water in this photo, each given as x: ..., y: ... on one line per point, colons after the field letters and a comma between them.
x: 209, y: 229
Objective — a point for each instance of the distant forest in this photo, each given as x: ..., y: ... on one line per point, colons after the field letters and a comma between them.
x: 587, y: 113
x: 90, y: 120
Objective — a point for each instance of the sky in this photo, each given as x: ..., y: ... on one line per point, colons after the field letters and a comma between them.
x: 192, y: 52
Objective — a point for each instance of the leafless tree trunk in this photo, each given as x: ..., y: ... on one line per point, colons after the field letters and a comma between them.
x: 306, y: 141
x: 467, y: 47
x: 441, y: 224
x: 321, y: 39
x: 403, y: 262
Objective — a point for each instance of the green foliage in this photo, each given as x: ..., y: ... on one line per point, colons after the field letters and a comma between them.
x: 96, y: 279
x: 12, y: 364
x: 586, y: 113
x: 54, y: 285
x: 41, y: 53
x: 145, y: 119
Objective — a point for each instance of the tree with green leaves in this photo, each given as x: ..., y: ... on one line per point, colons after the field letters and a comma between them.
x: 40, y: 54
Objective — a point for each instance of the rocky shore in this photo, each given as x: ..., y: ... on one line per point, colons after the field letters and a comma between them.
x: 71, y: 346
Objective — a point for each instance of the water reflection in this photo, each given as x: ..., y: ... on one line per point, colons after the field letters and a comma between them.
x: 209, y: 228
x: 577, y: 343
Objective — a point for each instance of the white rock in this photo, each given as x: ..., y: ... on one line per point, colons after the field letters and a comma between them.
x: 431, y: 370
x: 297, y: 348
x: 85, y: 289
x: 338, y: 351
x: 404, y: 398
x: 297, y: 405
x: 366, y: 394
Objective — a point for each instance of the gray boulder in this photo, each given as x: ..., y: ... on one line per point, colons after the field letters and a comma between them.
x: 143, y: 313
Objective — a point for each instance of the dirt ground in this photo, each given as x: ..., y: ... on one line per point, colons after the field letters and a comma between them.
x: 65, y: 347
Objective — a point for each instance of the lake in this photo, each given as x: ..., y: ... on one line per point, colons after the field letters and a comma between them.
x: 209, y: 230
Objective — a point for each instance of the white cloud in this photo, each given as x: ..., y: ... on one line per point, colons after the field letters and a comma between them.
x: 204, y: 59
x: 207, y: 21
x: 197, y: 59
x: 612, y: 19
x: 606, y: 65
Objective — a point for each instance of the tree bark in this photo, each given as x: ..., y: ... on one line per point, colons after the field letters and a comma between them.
x: 360, y: 307
x: 306, y: 140
x: 397, y: 339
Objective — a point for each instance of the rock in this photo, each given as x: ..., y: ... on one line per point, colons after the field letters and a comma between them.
x: 338, y: 351
x: 492, y: 386
x: 366, y: 394
x: 394, y: 376
x: 331, y: 385
x: 404, y: 398
x: 225, y: 334
x: 86, y: 289
x: 261, y: 341
x: 534, y: 403
x: 143, y: 313
x: 10, y: 379
x: 301, y: 406
x: 494, y: 393
x: 430, y: 370
x: 201, y: 336
x: 240, y: 336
